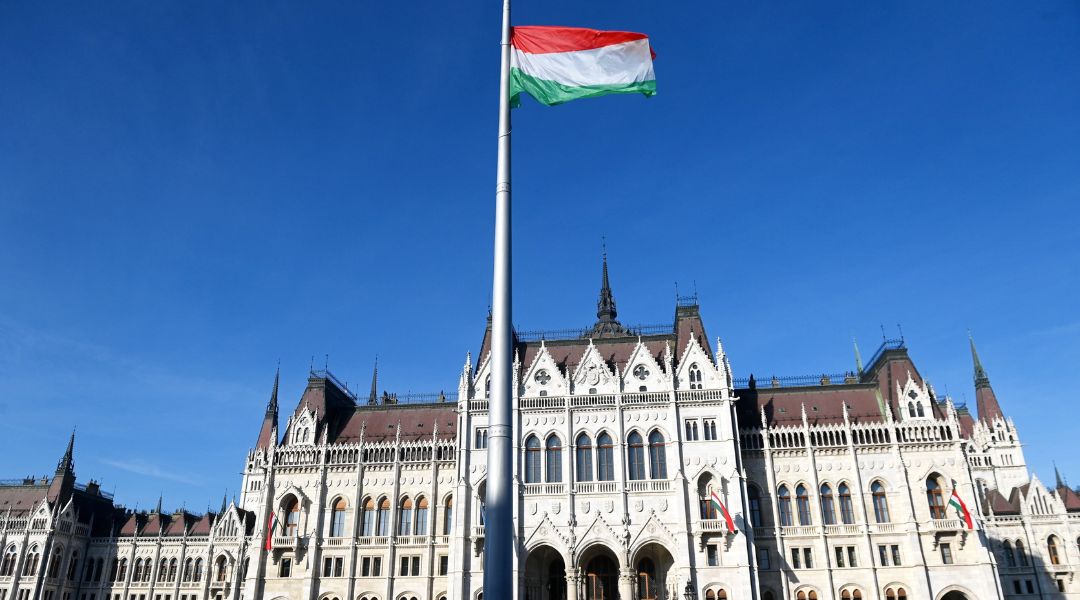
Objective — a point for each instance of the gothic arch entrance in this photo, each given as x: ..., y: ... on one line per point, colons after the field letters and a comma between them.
x: 600, y: 574
x: 545, y: 574
x: 652, y: 563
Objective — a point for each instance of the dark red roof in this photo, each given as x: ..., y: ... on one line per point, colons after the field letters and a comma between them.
x: 418, y: 421
x: 824, y: 404
x: 21, y: 499
x: 1070, y: 498
x: 1001, y: 505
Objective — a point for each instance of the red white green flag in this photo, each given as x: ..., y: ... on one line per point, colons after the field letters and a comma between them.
x: 724, y: 511
x: 271, y: 525
x: 559, y: 64
x: 960, y: 507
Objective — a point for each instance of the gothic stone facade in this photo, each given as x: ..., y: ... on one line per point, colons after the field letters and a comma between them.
x: 837, y: 488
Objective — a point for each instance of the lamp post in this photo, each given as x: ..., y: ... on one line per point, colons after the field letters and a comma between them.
x: 689, y: 593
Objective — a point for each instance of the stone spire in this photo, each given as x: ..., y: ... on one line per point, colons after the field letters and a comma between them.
x: 373, y: 395
x: 1059, y: 481
x: 985, y: 401
x: 607, y: 324
x: 63, y: 482
x: 858, y: 357
x: 67, y: 461
x: 268, y: 431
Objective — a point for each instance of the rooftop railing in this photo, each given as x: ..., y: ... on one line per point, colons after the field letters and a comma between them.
x: 535, y: 335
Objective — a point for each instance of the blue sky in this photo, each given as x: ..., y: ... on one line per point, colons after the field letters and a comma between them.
x: 192, y: 192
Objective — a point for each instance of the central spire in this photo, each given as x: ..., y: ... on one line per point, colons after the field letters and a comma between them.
x: 607, y: 323
x: 67, y: 462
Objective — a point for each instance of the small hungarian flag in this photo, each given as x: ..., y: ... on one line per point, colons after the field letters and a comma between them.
x: 271, y: 524
x: 961, y: 508
x: 559, y: 64
x: 723, y: 510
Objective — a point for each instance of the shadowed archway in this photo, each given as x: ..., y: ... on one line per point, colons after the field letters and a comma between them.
x: 545, y: 574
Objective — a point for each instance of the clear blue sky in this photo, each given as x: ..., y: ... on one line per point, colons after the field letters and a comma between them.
x: 190, y: 192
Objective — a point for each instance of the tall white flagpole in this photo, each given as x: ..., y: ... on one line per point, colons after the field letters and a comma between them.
x: 499, y: 548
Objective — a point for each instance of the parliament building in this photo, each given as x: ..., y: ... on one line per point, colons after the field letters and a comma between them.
x: 634, y: 447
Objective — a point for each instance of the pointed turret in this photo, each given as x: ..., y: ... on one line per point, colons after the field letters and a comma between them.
x: 985, y: 400
x: 607, y: 324
x: 67, y: 461
x: 1059, y: 481
x: 373, y: 395
x: 268, y: 432
x: 63, y: 482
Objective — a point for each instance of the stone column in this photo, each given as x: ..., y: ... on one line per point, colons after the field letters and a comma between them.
x: 626, y: 584
x: 573, y: 580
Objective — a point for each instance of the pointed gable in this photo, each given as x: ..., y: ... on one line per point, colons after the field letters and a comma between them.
x: 544, y: 377
x: 593, y: 376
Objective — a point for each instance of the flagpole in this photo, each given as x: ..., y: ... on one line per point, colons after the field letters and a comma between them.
x: 499, y: 548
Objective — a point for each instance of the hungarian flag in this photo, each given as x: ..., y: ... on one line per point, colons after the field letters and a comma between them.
x: 723, y: 510
x: 271, y: 524
x: 961, y: 508
x: 559, y: 64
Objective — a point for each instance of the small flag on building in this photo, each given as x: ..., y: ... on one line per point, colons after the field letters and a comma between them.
x: 271, y: 524
x: 559, y: 64
x: 723, y: 510
x: 961, y: 508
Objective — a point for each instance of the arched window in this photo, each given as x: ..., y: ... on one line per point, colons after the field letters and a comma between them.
x: 721, y: 595
x: 881, y: 504
x: 707, y: 508
x: 186, y: 575
x: 54, y: 563
x: 635, y: 455
x: 847, y: 514
x: 647, y: 580
x: 481, y: 497
x: 383, y: 528
x: 337, y: 518
x: 367, y: 519
x: 802, y: 500
x: 919, y: 410
x: 532, y: 459
x: 88, y: 575
x: 73, y: 566
x: 197, y: 574
x: 163, y: 570
x: 710, y: 595
x: 828, y: 511
x: 405, y: 516
x: 7, y: 569
x: 934, y: 497
x: 136, y: 570
x: 1052, y: 550
x: 1021, y: 554
x: 553, y: 459
x: 487, y: 387
x: 657, y: 455
x: 1010, y: 557
x: 121, y: 573
x: 448, y: 516
x: 695, y: 377
x: 605, y: 458
x: 768, y: 595
x: 172, y: 569
x: 292, y: 517
x: 754, y: 495
x: 220, y: 569
x: 421, y: 516
x: 783, y: 497
x: 911, y: 410
x: 583, y: 470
